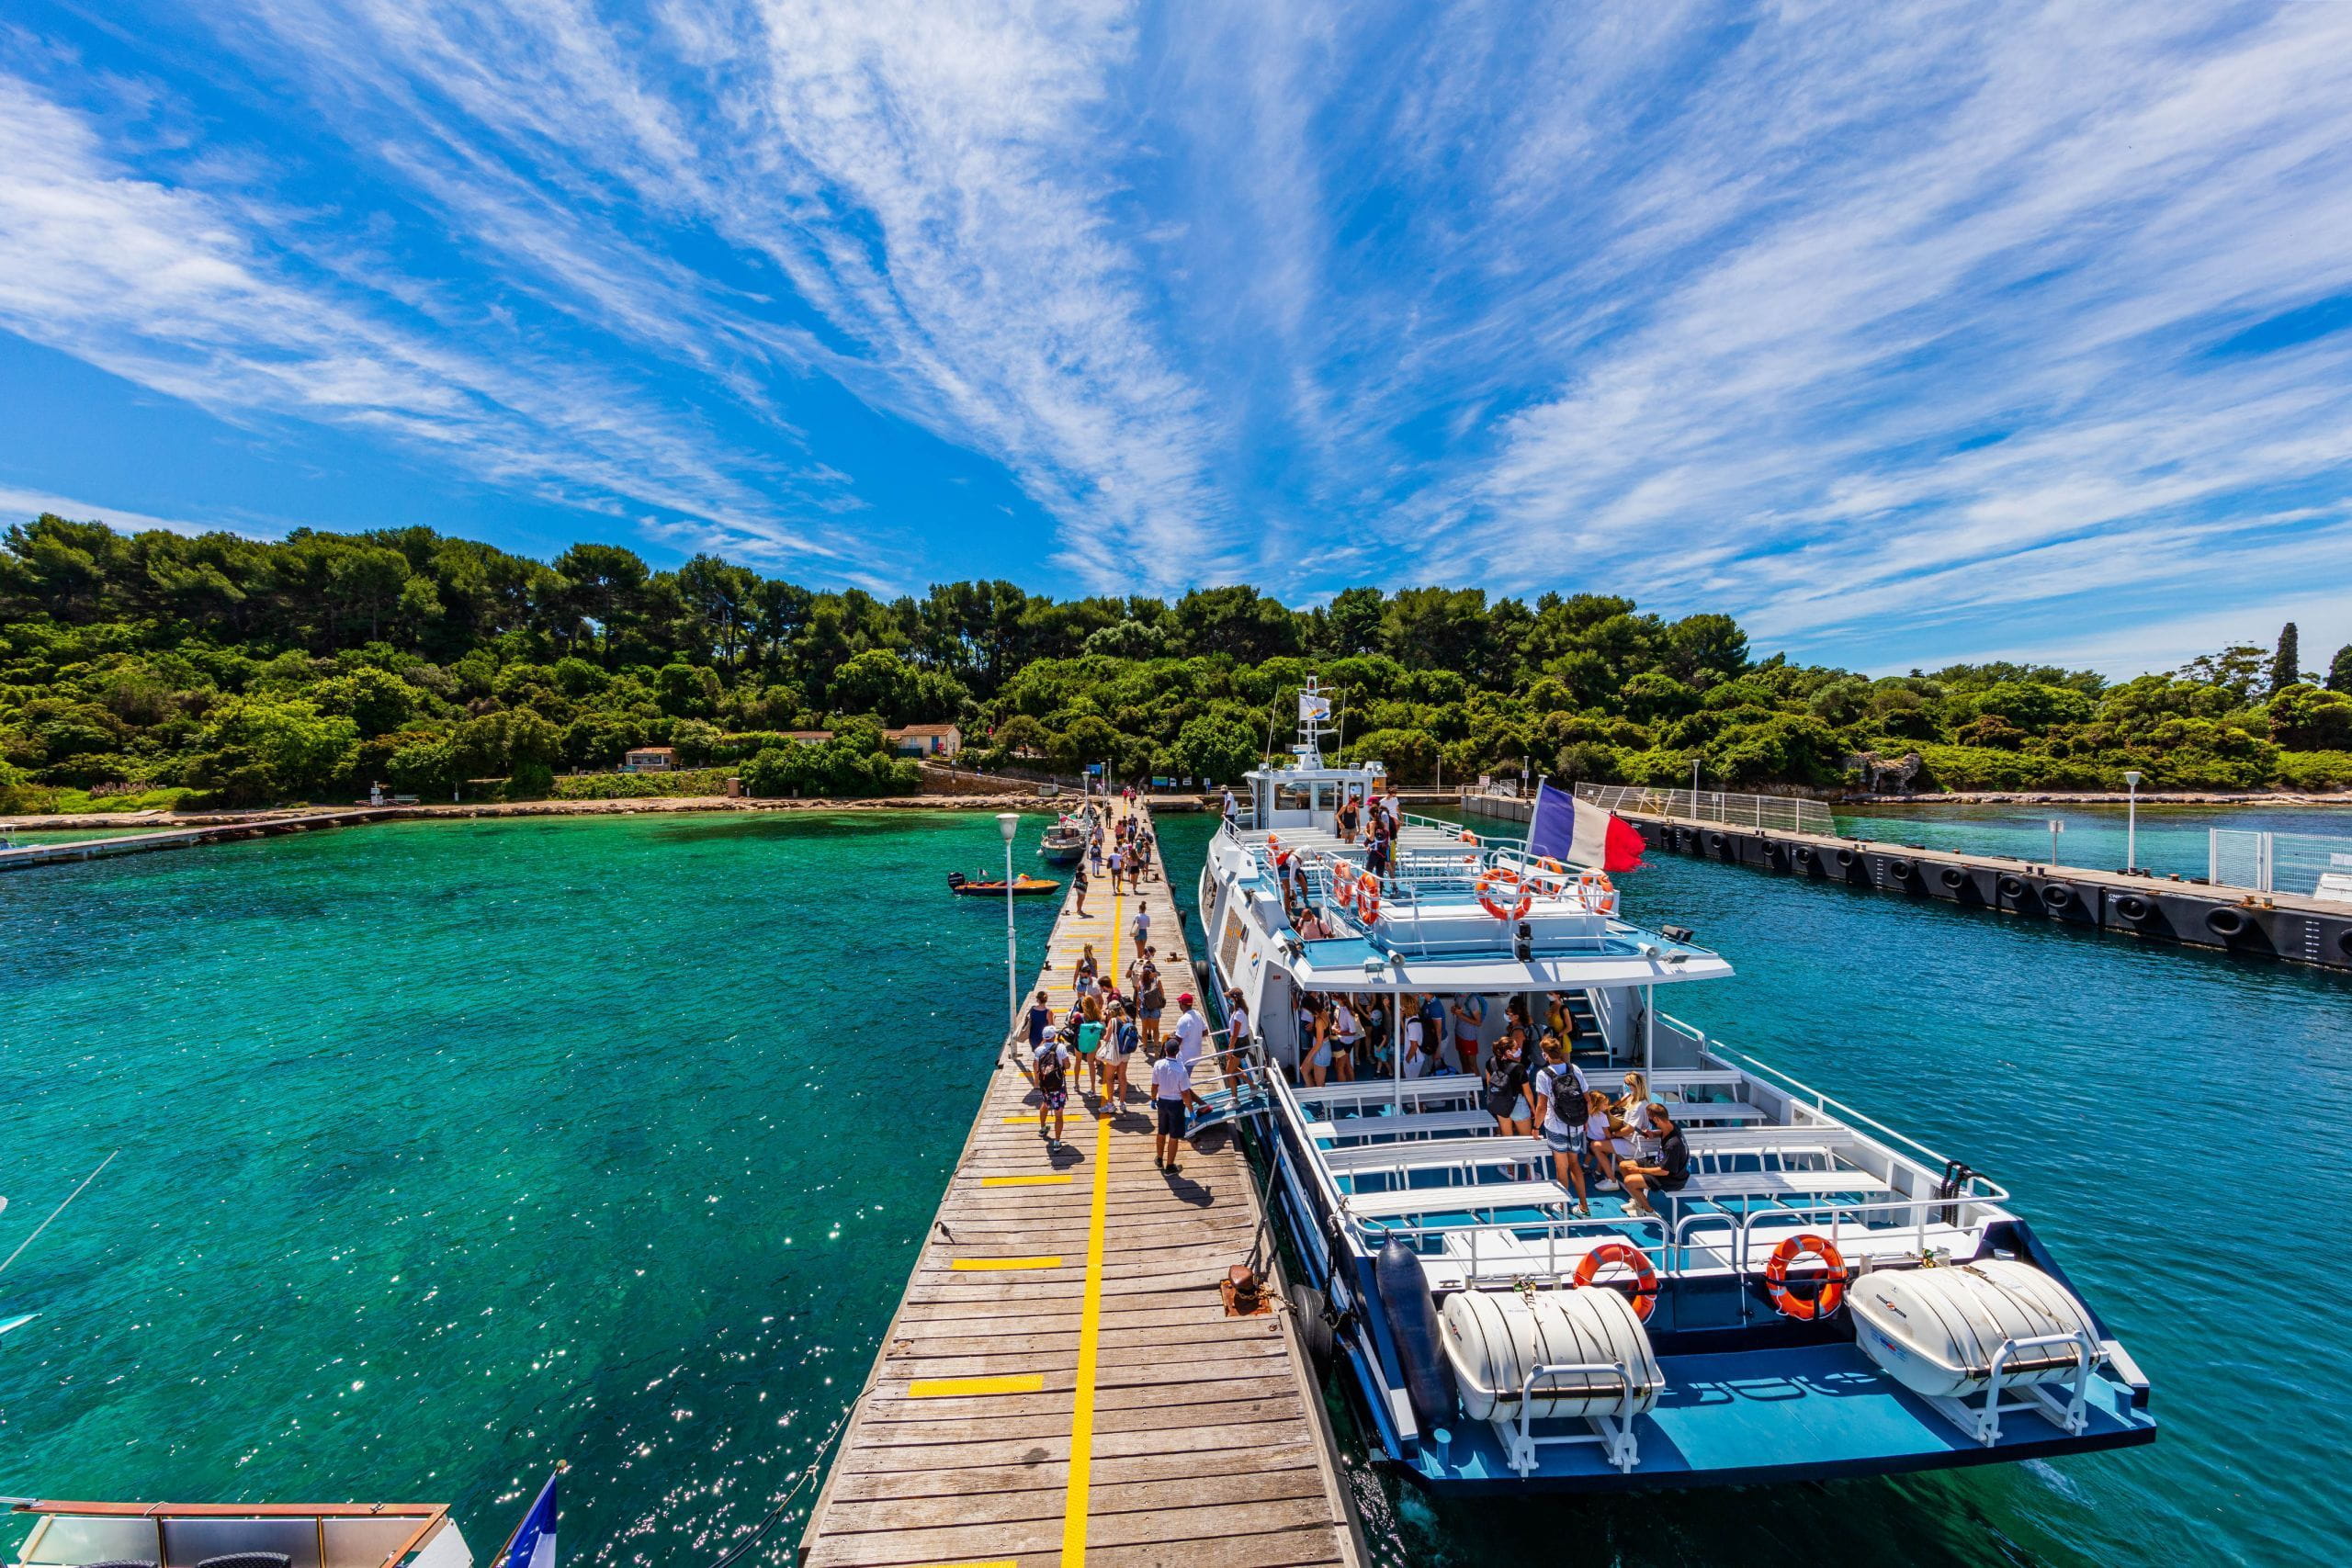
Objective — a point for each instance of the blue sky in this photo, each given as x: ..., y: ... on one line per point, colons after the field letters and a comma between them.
x: 1905, y: 333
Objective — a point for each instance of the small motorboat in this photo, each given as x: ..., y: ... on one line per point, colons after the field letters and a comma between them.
x: 1064, y: 842
x: 1024, y: 883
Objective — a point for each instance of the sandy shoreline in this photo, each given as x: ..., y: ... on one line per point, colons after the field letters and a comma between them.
x: 1029, y: 803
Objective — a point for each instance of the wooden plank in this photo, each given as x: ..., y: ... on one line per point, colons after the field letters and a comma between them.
x: 968, y: 1539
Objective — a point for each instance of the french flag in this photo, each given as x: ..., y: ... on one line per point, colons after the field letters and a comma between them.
x: 533, y: 1542
x: 1578, y: 833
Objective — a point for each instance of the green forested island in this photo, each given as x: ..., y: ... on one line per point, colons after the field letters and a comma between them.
x: 158, y: 668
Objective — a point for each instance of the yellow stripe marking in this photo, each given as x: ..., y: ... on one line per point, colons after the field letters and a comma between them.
x: 964, y: 1388
x: 1089, y: 1329
x: 983, y: 1265
x: 1030, y: 1120
x: 1024, y: 1180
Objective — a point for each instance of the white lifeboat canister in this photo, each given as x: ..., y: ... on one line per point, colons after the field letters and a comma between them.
x: 1936, y: 1331
x: 1495, y: 1338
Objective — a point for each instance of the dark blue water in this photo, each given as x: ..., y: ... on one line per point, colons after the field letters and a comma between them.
x: 2121, y: 1092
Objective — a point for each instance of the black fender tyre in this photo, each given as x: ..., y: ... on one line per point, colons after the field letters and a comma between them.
x: 2226, y: 921
x: 1307, y: 1307
x: 1953, y: 877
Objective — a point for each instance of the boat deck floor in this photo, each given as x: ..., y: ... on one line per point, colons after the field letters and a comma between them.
x: 1763, y: 1416
x: 1061, y: 1383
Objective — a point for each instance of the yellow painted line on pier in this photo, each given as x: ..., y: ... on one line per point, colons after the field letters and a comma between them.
x: 1089, y: 1331
x: 966, y: 1388
x: 1025, y: 1180
x: 1029, y: 1121
x: 988, y: 1265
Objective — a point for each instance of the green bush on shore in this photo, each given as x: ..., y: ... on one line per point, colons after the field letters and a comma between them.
x: 132, y: 665
x: 630, y: 786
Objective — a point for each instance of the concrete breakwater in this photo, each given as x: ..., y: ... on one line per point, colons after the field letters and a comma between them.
x: 2149, y: 908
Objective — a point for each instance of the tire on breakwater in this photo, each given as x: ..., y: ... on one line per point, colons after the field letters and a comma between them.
x: 2068, y: 902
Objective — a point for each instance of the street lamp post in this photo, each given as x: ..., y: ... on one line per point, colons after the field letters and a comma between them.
x: 2132, y: 820
x: 1009, y: 823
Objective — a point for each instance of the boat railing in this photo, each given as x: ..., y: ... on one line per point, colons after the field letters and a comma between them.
x: 1831, y: 1212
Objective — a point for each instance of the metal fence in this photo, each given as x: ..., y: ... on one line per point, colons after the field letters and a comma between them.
x: 1786, y: 814
x: 2275, y: 863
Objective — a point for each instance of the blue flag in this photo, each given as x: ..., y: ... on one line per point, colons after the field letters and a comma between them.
x: 533, y: 1543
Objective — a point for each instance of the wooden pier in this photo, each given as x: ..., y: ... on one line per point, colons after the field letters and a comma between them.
x: 1062, y: 1383
x: 119, y: 843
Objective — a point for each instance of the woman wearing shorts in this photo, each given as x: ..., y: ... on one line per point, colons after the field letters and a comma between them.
x: 1508, y: 1099
x: 1118, y: 1038
x: 1559, y: 1097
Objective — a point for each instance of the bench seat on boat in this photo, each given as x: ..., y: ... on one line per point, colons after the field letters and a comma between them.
x: 1695, y: 1077
x: 1782, y: 1184
x: 1378, y: 1095
x: 1413, y: 1124
x: 1486, y: 1196
x: 1708, y: 1247
x: 1433, y: 1154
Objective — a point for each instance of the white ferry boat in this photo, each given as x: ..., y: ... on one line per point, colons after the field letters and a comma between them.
x: 1821, y: 1296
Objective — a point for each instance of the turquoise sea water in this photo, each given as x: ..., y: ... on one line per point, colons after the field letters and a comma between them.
x: 453, y: 1148
x: 2170, y: 838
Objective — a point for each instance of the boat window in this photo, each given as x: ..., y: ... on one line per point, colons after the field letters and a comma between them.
x: 1326, y: 797
x: 1290, y: 797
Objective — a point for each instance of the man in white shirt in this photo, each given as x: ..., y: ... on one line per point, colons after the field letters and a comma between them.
x: 1170, y: 1083
x: 1191, y: 1040
x: 1417, y: 1053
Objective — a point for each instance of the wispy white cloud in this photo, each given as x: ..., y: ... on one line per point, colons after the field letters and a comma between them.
x: 194, y: 293
x: 1866, y: 327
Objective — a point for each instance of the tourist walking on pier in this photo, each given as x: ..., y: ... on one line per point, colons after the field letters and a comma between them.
x: 1170, y: 1085
x: 1151, y: 999
x: 1120, y: 1039
x: 1041, y: 1019
x: 1140, y: 929
x: 1078, y: 886
x: 1050, y: 1073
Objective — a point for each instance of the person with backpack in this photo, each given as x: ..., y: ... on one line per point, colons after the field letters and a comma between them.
x: 1560, y: 1099
x: 1120, y: 1041
x: 1049, y: 1070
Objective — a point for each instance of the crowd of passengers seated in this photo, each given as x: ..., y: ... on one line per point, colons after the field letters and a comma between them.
x: 1598, y: 1142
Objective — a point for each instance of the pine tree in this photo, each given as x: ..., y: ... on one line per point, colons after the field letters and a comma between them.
x: 2339, y: 673
x: 2286, y: 669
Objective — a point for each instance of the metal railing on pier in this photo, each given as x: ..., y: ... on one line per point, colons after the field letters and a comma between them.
x: 1782, y: 813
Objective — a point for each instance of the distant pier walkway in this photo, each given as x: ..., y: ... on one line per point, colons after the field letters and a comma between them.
x: 2158, y: 909
x: 1061, y: 1383
x: 121, y: 843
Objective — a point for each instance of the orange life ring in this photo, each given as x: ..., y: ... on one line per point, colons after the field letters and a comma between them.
x: 1368, y: 900
x: 1468, y: 837
x: 1633, y: 1257
x: 1503, y: 875
x: 1599, y: 892
x: 1833, y: 1280
x: 1343, y: 884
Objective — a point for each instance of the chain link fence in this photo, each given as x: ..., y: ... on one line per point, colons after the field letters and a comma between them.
x: 2278, y: 863
x: 1786, y: 814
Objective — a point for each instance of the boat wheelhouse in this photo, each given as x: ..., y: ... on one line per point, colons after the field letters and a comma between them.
x: 1824, y: 1295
